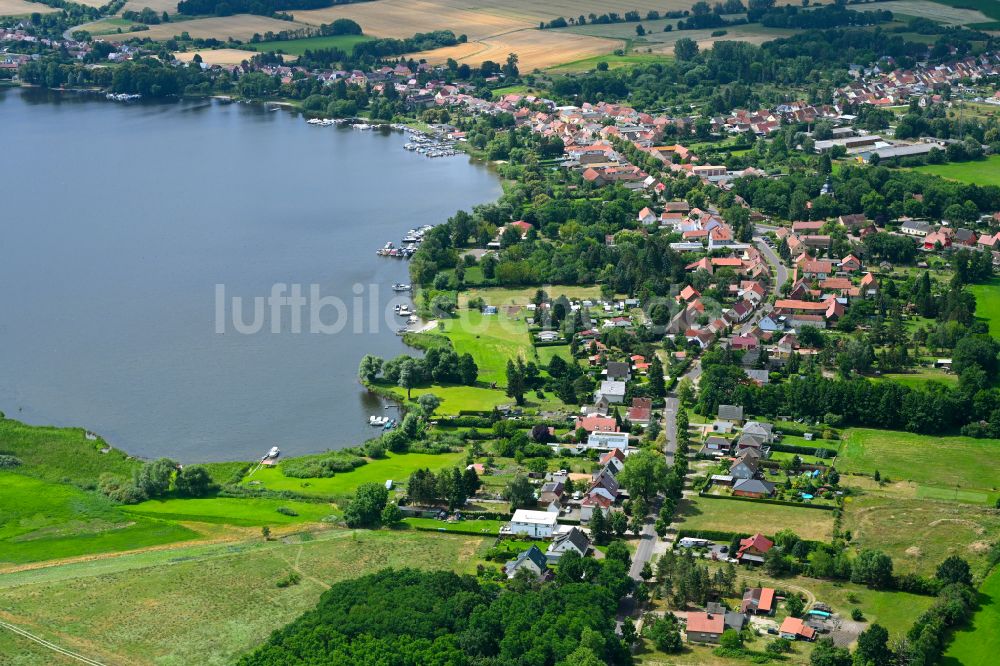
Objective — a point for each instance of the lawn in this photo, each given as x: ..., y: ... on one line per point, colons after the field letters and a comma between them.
x: 979, y: 642
x: 485, y: 527
x: 455, y: 399
x: 206, y: 605
x: 501, y: 296
x: 919, y: 532
x: 300, y: 46
x: 919, y: 378
x: 980, y: 172
x: 988, y: 304
x: 244, y: 512
x: 546, y: 354
x: 491, y: 339
x: 395, y: 467
x: 745, y: 517
x: 942, y: 462
x: 613, y: 61
x: 43, y: 521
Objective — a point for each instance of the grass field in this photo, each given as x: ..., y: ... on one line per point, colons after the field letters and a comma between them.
x: 920, y: 532
x: 980, y: 172
x: 979, y: 642
x: 614, y: 61
x: 745, y: 517
x: 491, y: 339
x: 205, y: 605
x: 43, y: 521
x: 160, y: 6
x: 957, y: 12
x: 988, y: 304
x: 395, y: 467
x: 61, y: 455
x: 455, y: 399
x: 940, y: 462
x: 919, y: 378
x: 244, y: 512
x: 238, y: 26
x: 486, y: 527
x: 23, y: 8
x: 300, y: 46
x: 500, y: 296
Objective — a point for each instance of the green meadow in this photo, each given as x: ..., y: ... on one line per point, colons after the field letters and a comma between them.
x: 243, y: 512
x: 979, y: 641
x: 395, y: 467
x: 44, y: 521
x: 988, y: 304
x: 491, y: 339
x: 298, y: 47
x: 980, y: 172
x: 940, y: 462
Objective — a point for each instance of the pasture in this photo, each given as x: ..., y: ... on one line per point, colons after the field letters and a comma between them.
x: 165, y: 607
x: 242, y: 512
x: 988, y: 304
x: 238, y: 26
x: 941, y: 462
x: 23, y: 8
x: 919, y: 378
x: 159, y: 6
x: 919, y: 532
x: 298, y: 47
x: 959, y: 12
x: 979, y: 641
x: 491, y: 339
x: 396, y: 467
x: 744, y: 517
x: 980, y: 172
x: 43, y: 521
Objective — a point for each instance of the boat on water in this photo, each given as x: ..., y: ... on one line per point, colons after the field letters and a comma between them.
x: 399, y: 286
x: 378, y: 421
x: 389, y: 425
x: 273, y: 453
x: 412, y: 320
x: 404, y: 311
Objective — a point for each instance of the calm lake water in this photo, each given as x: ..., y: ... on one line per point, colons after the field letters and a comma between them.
x: 117, y: 223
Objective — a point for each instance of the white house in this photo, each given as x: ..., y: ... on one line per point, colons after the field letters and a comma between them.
x: 608, y: 440
x: 537, y: 524
x: 613, y: 391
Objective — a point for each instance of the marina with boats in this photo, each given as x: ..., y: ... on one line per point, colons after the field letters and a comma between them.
x: 434, y: 143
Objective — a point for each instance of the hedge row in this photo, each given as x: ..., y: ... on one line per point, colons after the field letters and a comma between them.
x: 802, y: 450
x: 737, y: 498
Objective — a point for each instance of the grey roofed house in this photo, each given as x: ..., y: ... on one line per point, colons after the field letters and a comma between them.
x: 722, y: 426
x: 574, y: 539
x: 745, y: 467
x: 618, y: 371
x: 532, y: 560
x: 765, y: 430
x: 715, y: 444
x: 753, y: 486
x: 963, y: 235
x: 731, y: 413
x: 913, y: 227
x: 760, y: 376
x: 735, y: 621
x: 613, y: 391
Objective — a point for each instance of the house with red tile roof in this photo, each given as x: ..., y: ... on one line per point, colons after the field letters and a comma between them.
x: 596, y: 423
x: 795, y: 628
x: 753, y: 549
x: 705, y: 627
x: 758, y: 601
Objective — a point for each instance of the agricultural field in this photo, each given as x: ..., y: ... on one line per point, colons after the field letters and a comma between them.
x: 300, y: 46
x: 917, y: 531
x: 614, y: 62
x: 988, y: 304
x: 959, y: 12
x: 536, y: 49
x: 941, y: 462
x: 979, y: 642
x: 44, y: 521
x: 239, y: 26
x: 396, y: 467
x: 738, y: 516
x: 23, y: 8
x: 159, y: 6
x: 980, y: 172
x: 221, y: 56
x: 163, y: 607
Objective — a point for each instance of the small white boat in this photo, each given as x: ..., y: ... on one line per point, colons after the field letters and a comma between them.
x: 412, y: 319
x: 404, y: 311
x: 399, y: 286
x: 273, y: 453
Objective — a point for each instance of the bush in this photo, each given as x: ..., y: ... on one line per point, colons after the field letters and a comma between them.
x: 285, y: 511
x: 321, y: 467
x: 857, y: 615
x: 292, y: 578
x: 9, y: 462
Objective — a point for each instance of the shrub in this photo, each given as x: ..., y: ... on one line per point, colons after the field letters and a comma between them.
x: 285, y: 511
x: 292, y: 578
x: 9, y: 462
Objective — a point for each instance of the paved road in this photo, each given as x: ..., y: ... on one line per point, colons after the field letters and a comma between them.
x: 780, y: 272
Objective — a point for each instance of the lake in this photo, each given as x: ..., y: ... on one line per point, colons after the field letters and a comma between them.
x: 121, y: 222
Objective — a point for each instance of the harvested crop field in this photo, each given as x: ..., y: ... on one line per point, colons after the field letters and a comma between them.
x: 221, y: 56
x: 535, y: 49
x: 240, y: 26
x: 22, y: 7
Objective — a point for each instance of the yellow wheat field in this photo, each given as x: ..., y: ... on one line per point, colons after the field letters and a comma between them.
x: 240, y: 26
x: 22, y: 8
x: 535, y: 49
x: 222, y: 56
